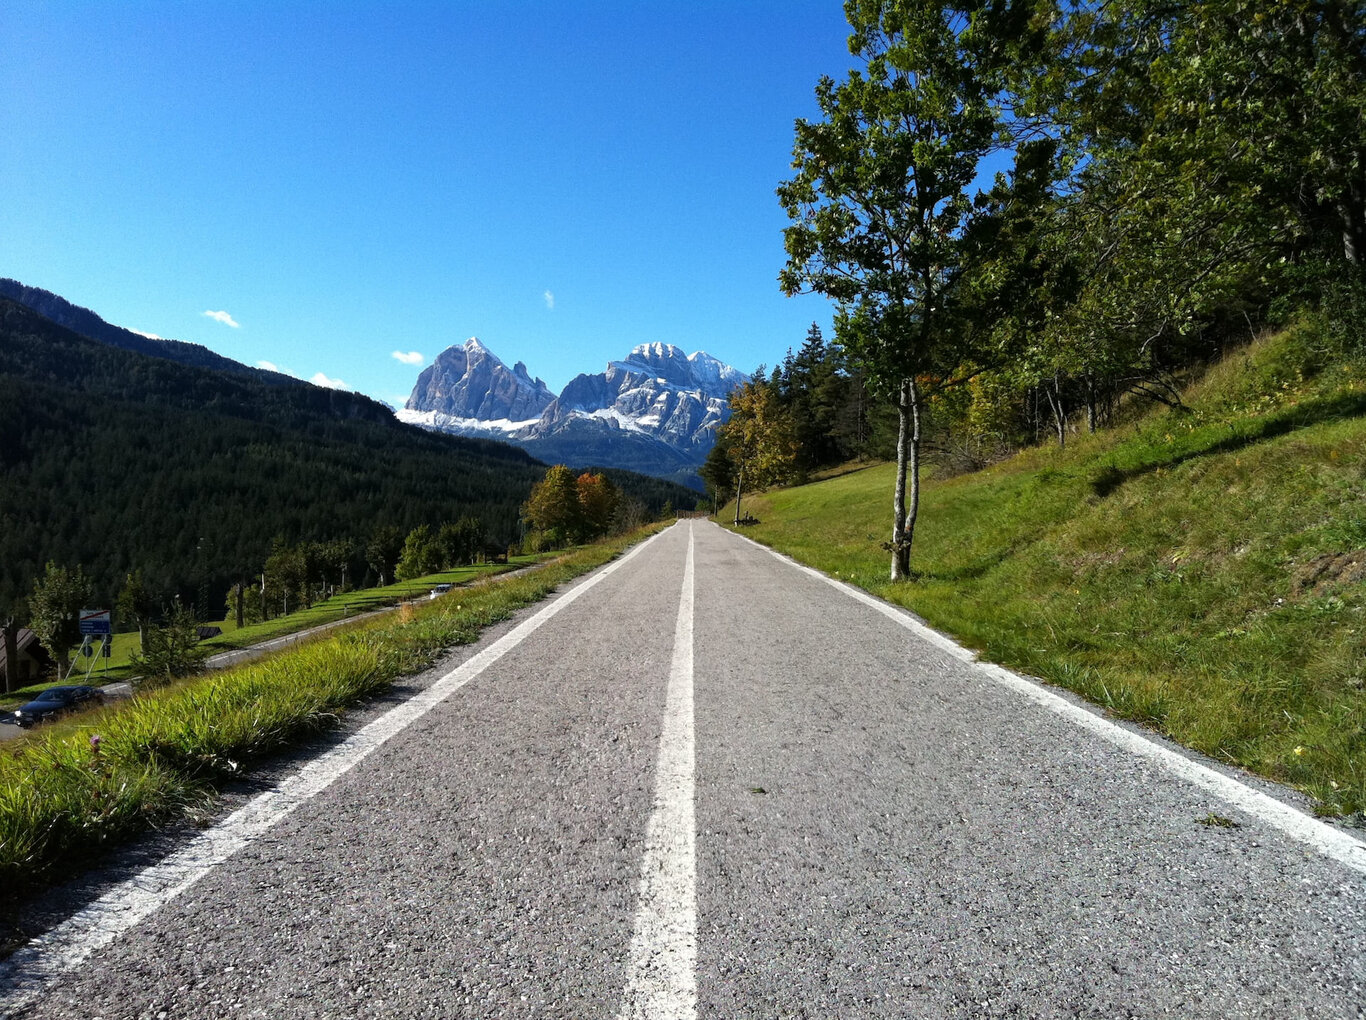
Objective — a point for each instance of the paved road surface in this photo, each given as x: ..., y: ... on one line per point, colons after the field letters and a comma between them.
x: 706, y: 782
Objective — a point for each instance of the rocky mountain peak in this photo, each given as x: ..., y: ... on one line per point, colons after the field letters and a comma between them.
x: 470, y: 382
x: 656, y: 410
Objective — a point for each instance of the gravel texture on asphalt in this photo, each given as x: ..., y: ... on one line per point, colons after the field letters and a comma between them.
x: 881, y: 831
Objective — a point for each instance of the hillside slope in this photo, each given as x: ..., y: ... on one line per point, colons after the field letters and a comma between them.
x: 115, y: 460
x: 1200, y: 571
x: 85, y: 322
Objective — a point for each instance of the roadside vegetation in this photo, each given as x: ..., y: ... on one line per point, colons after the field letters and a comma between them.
x: 1199, y: 570
x: 119, y: 667
x: 78, y: 786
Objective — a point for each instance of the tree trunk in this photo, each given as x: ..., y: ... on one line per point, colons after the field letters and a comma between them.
x: 11, y: 639
x: 739, y: 487
x: 914, y: 511
x: 1091, y: 403
x: 1353, y: 232
x: 1054, y: 394
x: 907, y: 456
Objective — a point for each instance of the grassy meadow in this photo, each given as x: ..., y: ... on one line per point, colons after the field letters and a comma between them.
x: 1199, y: 571
x: 71, y: 788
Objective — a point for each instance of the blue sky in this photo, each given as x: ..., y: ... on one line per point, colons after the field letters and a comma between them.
x: 344, y: 182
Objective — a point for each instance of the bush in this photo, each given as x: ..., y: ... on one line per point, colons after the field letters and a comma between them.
x: 170, y: 651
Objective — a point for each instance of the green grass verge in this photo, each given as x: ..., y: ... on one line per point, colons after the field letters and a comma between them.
x: 118, y: 667
x: 1193, y: 572
x: 163, y: 754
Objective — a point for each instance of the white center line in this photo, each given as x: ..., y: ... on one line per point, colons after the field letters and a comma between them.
x: 27, y: 972
x: 662, y: 976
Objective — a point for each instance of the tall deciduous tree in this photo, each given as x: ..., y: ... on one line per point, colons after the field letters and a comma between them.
x: 553, y: 507
x: 460, y: 541
x: 285, y: 576
x: 55, y: 610
x: 1220, y: 155
x: 135, y: 605
x: 9, y: 634
x: 759, y: 437
x: 882, y: 200
x: 383, y: 550
x: 597, y: 503
x: 718, y: 471
x: 421, y: 554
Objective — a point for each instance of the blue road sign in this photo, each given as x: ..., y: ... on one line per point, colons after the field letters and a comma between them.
x: 96, y: 621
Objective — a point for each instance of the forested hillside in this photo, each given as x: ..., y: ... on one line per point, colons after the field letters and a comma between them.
x: 1030, y: 213
x: 85, y: 322
x: 114, y: 460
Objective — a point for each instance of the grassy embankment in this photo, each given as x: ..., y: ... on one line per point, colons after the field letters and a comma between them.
x: 161, y: 756
x: 118, y: 666
x: 1199, y: 571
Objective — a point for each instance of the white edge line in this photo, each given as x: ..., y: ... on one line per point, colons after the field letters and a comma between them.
x: 1324, y: 838
x: 28, y: 970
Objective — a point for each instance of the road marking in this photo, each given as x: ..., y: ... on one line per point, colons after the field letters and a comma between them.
x: 25, y: 973
x: 662, y: 972
x: 1324, y: 838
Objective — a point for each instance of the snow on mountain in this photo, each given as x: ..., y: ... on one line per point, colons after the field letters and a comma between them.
x: 470, y: 382
x: 493, y: 428
x: 656, y: 410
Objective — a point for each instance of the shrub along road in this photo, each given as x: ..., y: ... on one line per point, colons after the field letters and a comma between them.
x: 707, y: 782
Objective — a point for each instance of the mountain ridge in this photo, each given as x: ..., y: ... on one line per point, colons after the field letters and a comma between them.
x: 655, y: 411
x: 116, y: 460
x: 84, y: 322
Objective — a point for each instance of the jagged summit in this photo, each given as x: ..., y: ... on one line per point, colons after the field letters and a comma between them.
x: 699, y: 370
x: 655, y: 411
x: 470, y: 382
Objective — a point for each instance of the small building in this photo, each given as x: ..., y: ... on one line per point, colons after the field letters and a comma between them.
x: 495, y: 553
x: 32, y: 660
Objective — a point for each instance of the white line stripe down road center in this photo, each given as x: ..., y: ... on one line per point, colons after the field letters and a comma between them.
x: 1322, y: 837
x: 662, y: 972
x: 25, y: 973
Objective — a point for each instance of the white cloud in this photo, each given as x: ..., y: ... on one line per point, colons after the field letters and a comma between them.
x: 222, y: 317
x: 269, y: 366
x: 549, y: 300
x: 149, y: 336
x: 319, y: 379
x: 411, y: 358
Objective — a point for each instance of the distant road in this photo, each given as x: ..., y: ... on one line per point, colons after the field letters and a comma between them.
x: 707, y: 782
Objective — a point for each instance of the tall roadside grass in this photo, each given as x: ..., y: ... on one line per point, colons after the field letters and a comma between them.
x: 72, y: 789
x: 1202, y: 572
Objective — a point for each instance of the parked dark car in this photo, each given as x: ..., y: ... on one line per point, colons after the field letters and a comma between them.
x: 54, y: 701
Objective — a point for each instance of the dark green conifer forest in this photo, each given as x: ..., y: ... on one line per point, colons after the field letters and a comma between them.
x: 117, y: 461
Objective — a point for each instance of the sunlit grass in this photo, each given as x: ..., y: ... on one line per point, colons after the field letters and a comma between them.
x: 1155, y: 569
x: 118, y: 667
x: 65, y: 794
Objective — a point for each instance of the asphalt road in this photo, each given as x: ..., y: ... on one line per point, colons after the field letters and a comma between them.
x: 709, y: 783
